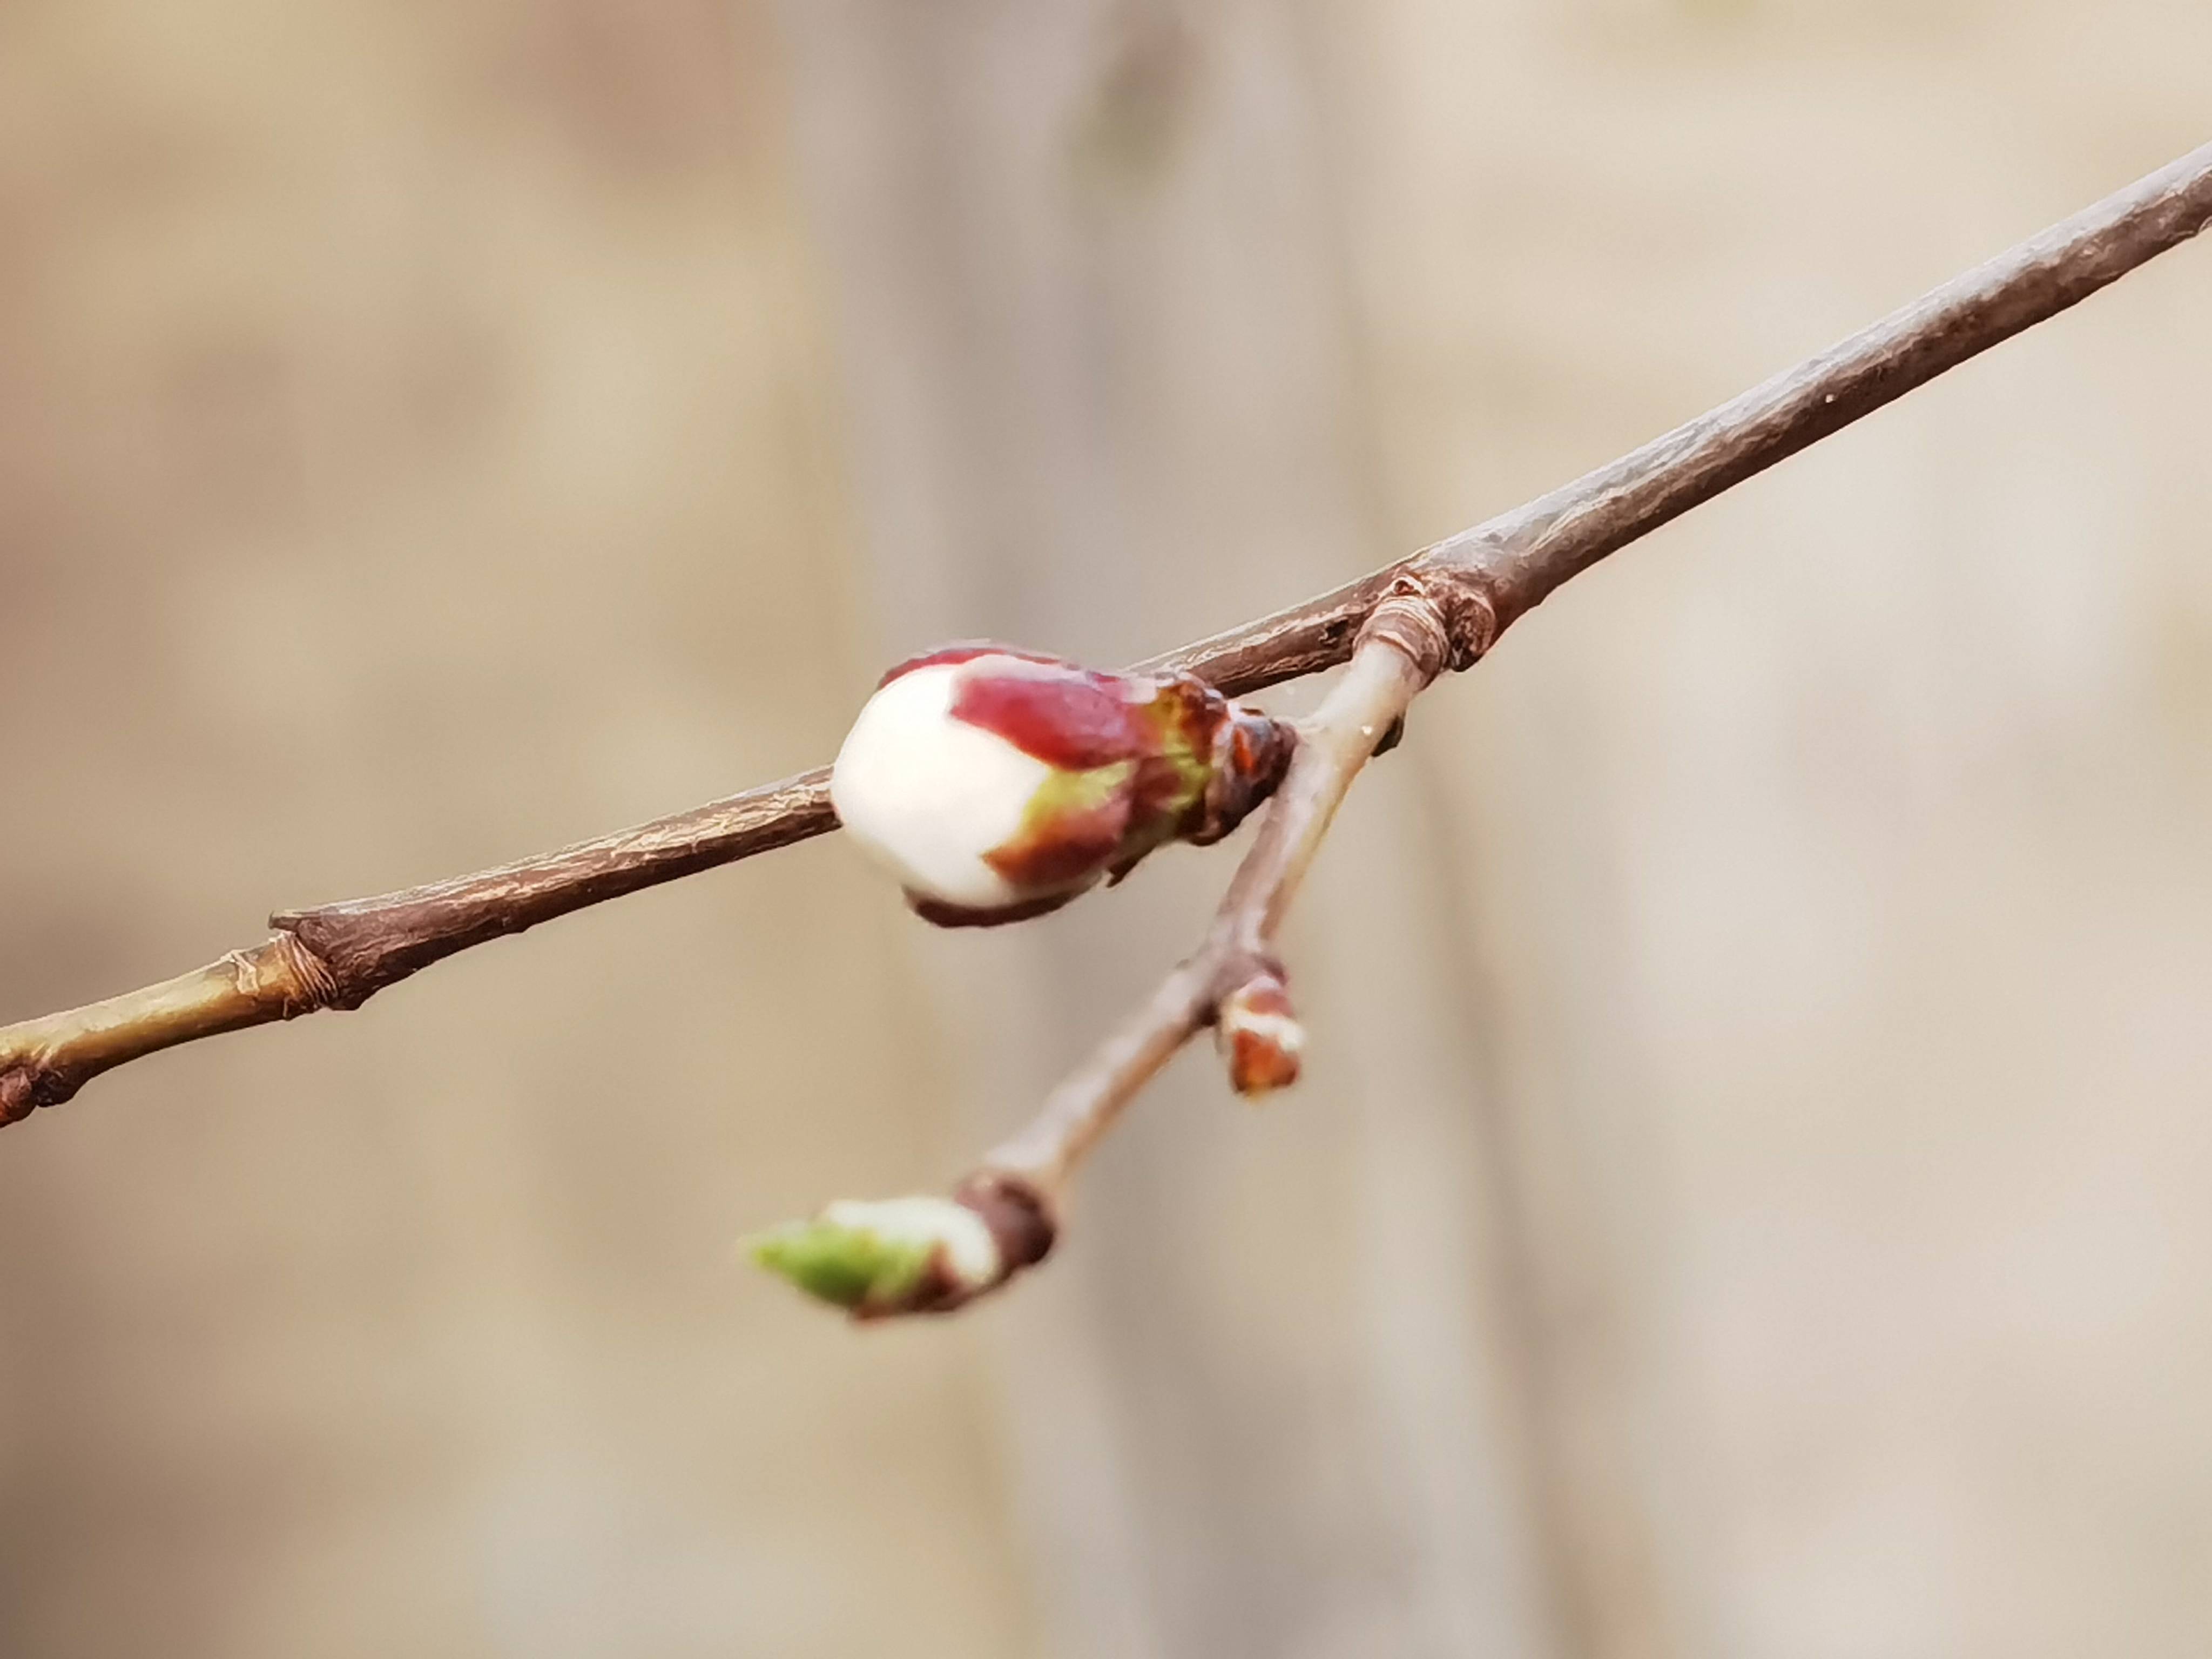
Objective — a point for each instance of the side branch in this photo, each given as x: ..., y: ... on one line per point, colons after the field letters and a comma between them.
x: 1478, y: 582
x: 1403, y: 649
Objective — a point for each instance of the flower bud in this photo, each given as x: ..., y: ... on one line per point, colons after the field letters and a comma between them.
x: 998, y: 785
x: 1260, y: 1036
x: 905, y: 1255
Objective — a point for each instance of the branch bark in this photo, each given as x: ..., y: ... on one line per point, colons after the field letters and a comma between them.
x: 1478, y: 582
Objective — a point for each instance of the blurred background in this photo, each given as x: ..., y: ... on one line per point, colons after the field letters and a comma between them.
x: 1748, y: 1197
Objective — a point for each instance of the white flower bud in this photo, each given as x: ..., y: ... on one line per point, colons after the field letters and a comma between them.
x: 996, y: 785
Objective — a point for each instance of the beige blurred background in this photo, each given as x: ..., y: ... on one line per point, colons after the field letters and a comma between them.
x: 1753, y: 1193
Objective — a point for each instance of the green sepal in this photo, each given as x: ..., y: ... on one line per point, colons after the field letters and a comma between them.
x: 1183, y: 727
x: 1065, y: 795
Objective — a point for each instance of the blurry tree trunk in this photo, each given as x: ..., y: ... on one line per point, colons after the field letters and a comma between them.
x: 1101, y: 397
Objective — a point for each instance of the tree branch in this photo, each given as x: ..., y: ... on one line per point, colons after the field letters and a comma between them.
x: 1478, y: 582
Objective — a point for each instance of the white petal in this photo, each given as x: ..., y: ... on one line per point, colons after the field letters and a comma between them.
x: 927, y: 795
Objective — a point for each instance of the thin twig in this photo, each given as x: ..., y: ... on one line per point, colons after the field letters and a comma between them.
x: 1333, y: 743
x: 1479, y: 580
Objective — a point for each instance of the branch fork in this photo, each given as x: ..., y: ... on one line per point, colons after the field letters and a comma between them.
x: 1234, y: 982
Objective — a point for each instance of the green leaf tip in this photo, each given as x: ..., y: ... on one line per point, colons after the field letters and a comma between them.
x: 895, y: 1255
x: 848, y: 1266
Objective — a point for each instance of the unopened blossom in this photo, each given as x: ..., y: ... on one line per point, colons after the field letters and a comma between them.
x: 995, y: 784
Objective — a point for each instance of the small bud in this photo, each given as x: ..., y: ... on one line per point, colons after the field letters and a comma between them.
x: 997, y: 785
x: 904, y: 1255
x: 887, y: 1257
x: 1260, y: 1037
